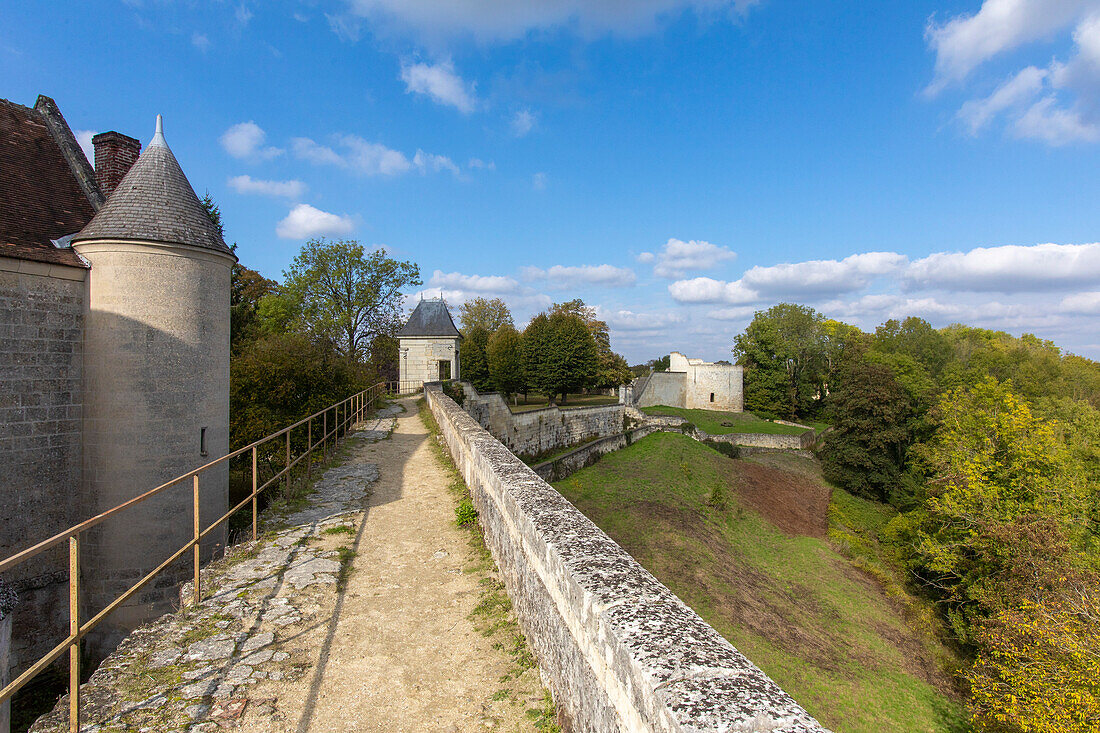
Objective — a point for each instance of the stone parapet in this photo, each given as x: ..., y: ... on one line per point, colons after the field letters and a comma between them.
x: 619, y: 651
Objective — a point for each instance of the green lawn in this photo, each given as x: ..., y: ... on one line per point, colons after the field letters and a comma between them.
x: 710, y: 421
x: 537, y: 402
x: 794, y: 605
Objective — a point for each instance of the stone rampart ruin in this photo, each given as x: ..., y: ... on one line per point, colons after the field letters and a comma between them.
x: 618, y: 650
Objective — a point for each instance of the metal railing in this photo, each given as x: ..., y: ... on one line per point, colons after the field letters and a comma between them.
x: 343, y: 414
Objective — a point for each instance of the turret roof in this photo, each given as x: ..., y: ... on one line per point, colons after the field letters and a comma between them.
x: 154, y: 202
x: 431, y: 318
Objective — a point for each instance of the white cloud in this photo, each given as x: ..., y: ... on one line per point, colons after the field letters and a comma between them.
x: 200, y: 41
x: 346, y: 27
x: 304, y: 221
x: 1054, y: 125
x: 479, y: 164
x: 245, y: 140
x: 441, y: 83
x: 1085, y: 303
x: 1021, y: 88
x: 84, y: 139
x: 677, y: 257
x: 523, y: 122
x: 1008, y: 269
x: 822, y: 278
x: 243, y: 14
x: 561, y: 277
x: 646, y: 257
x: 427, y: 162
x: 627, y: 320
x: 709, y: 290
x: 967, y: 41
x: 538, y: 181
x: 507, y: 19
x: 288, y: 189
x: 742, y: 313
x: 306, y: 149
x: 373, y: 159
x: 482, y: 284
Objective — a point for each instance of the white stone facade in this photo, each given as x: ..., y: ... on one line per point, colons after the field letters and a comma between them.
x: 693, y: 384
x: 427, y: 359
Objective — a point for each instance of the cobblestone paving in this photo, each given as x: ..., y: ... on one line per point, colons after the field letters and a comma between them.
x: 192, y: 670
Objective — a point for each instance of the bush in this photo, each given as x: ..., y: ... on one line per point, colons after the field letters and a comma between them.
x: 465, y: 514
x: 455, y: 391
x: 727, y: 449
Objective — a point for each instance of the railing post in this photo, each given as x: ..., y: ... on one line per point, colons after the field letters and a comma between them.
x: 74, y: 631
x: 286, y: 479
x: 324, y: 435
x: 196, y: 596
x: 309, y: 450
x: 254, y: 502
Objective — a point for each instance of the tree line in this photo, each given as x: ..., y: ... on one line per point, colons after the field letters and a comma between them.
x: 988, y: 447
x: 561, y: 351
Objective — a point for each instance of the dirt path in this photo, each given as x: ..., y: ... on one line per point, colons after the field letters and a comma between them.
x: 398, y: 651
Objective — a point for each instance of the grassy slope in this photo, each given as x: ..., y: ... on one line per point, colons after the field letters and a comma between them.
x: 793, y: 605
x: 710, y: 421
x: 537, y: 402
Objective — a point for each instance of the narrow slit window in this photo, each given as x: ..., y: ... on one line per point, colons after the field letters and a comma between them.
x: 712, y: 397
x: 202, y: 442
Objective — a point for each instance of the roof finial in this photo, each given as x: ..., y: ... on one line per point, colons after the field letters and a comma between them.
x: 158, y: 137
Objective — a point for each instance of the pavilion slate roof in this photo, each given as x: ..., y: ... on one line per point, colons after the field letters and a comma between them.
x: 41, y: 197
x: 154, y: 202
x: 430, y: 318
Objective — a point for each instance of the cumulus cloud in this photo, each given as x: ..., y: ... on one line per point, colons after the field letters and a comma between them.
x: 709, y: 290
x: 479, y: 164
x: 1085, y: 303
x: 304, y: 221
x: 562, y: 277
x: 1055, y: 125
x: 306, y: 149
x: 677, y: 257
x: 1021, y: 88
x: 508, y: 20
x: 481, y: 284
x: 245, y: 140
x: 1008, y: 269
x: 441, y: 84
x: 630, y: 321
x: 84, y: 139
x: 822, y: 278
x: 287, y: 189
x: 523, y: 122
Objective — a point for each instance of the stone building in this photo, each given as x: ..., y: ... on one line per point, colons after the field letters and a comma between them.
x: 428, y: 345
x: 114, y: 366
x: 690, y: 383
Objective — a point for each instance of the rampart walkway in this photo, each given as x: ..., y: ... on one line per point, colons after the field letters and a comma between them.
x: 289, y: 640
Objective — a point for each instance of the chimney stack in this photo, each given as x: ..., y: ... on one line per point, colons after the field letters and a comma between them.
x: 114, y: 154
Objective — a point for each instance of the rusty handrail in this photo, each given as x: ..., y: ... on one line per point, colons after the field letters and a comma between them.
x: 345, y: 413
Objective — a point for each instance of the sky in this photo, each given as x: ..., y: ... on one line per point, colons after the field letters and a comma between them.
x: 678, y: 164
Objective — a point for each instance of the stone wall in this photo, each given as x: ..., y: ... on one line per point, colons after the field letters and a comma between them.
x: 663, y: 388
x: 539, y: 432
x: 41, y: 366
x: 419, y: 357
x: 569, y: 463
x: 617, y: 649
x: 714, y: 387
x: 802, y: 441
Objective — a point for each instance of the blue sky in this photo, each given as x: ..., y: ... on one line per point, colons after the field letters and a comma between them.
x: 677, y: 163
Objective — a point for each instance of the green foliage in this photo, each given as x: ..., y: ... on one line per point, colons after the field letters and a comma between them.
x: 454, y: 390
x: 662, y: 364
x: 475, y: 360
x: 536, y: 352
x: 572, y: 356
x: 248, y: 289
x: 865, y: 453
x: 346, y: 295
x: 611, y: 369
x: 489, y: 314
x: 465, y: 514
x: 507, y: 370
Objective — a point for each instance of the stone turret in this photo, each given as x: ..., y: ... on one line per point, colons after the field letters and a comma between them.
x: 156, y: 365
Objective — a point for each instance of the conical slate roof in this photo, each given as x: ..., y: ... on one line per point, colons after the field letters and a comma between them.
x: 431, y: 318
x: 155, y: 203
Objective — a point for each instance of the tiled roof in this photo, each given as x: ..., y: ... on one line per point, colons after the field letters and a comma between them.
x: 155, y: 203
x: 431, y: 318
x: 40, y: 197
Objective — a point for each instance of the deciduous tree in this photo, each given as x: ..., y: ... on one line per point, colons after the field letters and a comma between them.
x: 475, y: 359
x: 506, y: 362
x: 490, y: 314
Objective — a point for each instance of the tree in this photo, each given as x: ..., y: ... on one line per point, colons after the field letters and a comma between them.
x: 536, y: 353
x: 572, y: 359
x: 783, y: 350
x: 506, y: 362
x: 865, y: 453
x: 347, y: 295
x: 474, y: 358
x: 247, y: 289
x: 611, y: 368
x: 489, y: 314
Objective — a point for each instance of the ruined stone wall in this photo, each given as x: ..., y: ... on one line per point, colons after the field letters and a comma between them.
x: 663, y: 388
x: 723, y: 382
x: 569, y: 463
x: 618, y: 650
x: 538, y: 432
x: 41, y: 365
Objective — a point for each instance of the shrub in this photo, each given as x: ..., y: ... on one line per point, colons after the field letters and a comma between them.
x: 465, y: 514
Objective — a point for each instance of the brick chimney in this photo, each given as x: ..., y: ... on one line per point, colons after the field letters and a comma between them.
x: 114, y: 154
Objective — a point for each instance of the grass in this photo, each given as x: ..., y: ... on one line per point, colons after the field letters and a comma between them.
x: 794, y: 605
x: 711, y: 421
x: 537, y: 402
